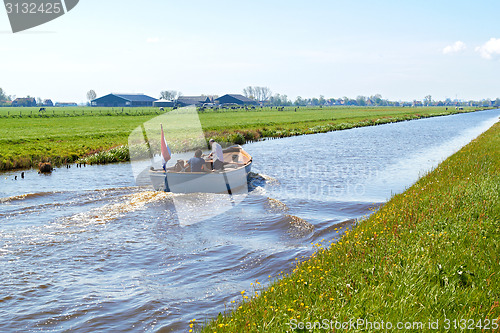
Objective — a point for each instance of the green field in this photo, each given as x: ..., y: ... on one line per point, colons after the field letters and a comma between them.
x: 53, y: 112
x: 62, y: 135
x: 429, y: 258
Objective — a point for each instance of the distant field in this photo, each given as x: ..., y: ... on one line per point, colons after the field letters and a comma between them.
x: 301, y: 118
x: 62, y: 135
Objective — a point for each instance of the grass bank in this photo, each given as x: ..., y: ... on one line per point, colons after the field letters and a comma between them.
x: 430, y: 255
x: 24, y: 142
x: 62, y: 135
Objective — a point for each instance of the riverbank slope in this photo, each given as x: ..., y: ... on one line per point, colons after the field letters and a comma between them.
x: 430, y: 257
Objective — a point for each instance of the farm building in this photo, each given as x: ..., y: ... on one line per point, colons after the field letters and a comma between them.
x: 123, y: 100
x: 163, y: 103
x: 193, y: 100
x: 27, y: 101
x: 48, y: 102
x: 65, y: 104
x: 236, y: 99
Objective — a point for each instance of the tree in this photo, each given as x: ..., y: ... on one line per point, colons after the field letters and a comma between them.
x: 265, y: 93
x: 260, y: 94
x: 428, y: 100
x: 299, y: 101
x: 361, y: 100
x: 170, y: 95
x: 279, y: 100
x: 321, y: 100
x: 249, y: 92
x: 3, y: 96
x: 91, y: 95
x: 39, y: 101
x: 377, y: 99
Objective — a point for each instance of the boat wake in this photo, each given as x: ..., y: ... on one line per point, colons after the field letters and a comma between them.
x: 128, y: 203
x: 274, y: 205
x: 25, y: 196
x: 299, y: 227
x: 257, y: 183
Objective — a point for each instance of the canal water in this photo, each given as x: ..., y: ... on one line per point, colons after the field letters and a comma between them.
x: 86, y: 249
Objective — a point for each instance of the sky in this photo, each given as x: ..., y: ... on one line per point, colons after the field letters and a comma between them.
x: 403, y: 50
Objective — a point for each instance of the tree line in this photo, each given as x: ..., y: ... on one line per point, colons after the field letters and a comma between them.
x: 268, y: 98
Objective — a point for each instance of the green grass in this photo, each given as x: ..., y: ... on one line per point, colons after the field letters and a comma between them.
x: 63, y: 135
x: 77, y: 111
x: 430, y: 254
x: 26, y: 141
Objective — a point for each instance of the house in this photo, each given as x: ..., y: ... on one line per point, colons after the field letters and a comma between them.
x: 193, y: 100
x: 163, y: 103
x: 47, y: 102
x: 27, y: 101
x: 65, y: 104
x: 236, y: 99
x: 123, y: 100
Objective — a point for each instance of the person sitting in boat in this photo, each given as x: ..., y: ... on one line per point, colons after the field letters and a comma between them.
x: 217, y: 155
x: 197, y: 163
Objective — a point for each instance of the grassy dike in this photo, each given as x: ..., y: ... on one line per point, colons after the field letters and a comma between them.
x: 66, y: 135
x: 430, y: 255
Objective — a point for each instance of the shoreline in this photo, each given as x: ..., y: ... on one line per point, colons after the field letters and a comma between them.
x: 119, y: 153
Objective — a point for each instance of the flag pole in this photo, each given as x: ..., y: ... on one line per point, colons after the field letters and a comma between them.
x: 164, y: 151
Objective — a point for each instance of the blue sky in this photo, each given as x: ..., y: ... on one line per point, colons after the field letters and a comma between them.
x: 403, y: 50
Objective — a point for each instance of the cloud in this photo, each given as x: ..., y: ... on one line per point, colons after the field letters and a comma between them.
x: 152, y: 40
x: 490, y: 49
x: 456, y: 47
